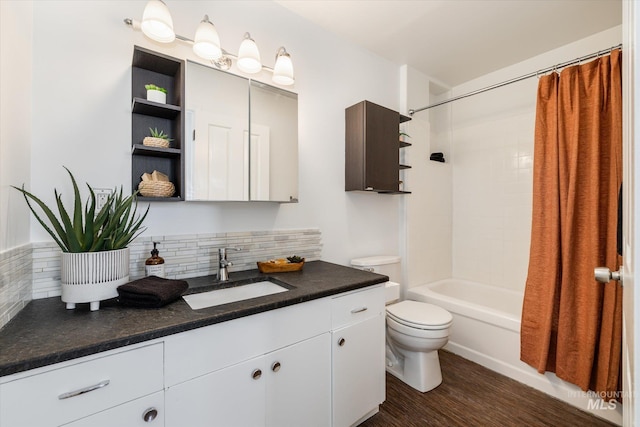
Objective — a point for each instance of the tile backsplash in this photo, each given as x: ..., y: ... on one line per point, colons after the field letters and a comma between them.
x: 15, y: 281
x: 33, y: 271
x: 188, y: 255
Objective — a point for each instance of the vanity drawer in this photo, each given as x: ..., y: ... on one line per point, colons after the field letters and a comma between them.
x: 74, y: 391
x: 357, y: 306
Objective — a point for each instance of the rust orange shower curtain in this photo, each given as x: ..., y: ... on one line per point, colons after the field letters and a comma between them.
x: 571, y: 324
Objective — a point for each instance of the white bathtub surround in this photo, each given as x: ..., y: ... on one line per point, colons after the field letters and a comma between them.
x: 486, y: 330
x: 492, y: 167
x: 15, y: 281
x: 189, y: 255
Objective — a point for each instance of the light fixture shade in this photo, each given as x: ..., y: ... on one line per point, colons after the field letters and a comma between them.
x: 283, y: 70
x: 157, y: 23
x: 249, y: 56
x: 206, y: 43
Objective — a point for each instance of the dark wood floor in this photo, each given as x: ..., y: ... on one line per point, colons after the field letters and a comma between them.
x: 471, y: 395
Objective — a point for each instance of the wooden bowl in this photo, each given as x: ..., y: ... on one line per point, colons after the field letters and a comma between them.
x: 272, y: 267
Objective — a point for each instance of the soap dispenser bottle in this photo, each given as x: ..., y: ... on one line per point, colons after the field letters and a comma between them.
x: 154, y: 265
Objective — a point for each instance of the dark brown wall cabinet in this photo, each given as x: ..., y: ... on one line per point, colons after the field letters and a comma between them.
x: 150, y: 67
x: 372, y: 148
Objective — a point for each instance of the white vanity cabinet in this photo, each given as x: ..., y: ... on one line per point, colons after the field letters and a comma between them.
x: 270, y: 369
x: 287, y: 387
x: 357, y: 354
x: 117, y: 388
x: 279, y: 368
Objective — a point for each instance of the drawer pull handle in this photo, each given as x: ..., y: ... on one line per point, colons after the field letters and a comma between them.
x: 341, y: 342
x: 150, y: 415
x: 358, y: 310
x: 275, y: 367
x: 75, y: 393
x: 256, y: 374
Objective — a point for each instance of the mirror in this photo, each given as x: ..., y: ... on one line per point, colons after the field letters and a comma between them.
x: 241, y: 138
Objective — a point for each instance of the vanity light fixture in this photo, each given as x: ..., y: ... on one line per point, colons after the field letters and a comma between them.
x: 283, y: 70
x: 206, y: 42
x: 158, y: 25
x: 249, y: 56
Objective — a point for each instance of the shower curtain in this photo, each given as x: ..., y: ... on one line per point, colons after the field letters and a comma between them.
x: 571, y: 324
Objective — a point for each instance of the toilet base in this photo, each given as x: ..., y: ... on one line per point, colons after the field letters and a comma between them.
x: 419, y: 370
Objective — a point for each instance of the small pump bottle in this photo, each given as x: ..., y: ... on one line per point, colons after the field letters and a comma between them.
x: 154, y: 266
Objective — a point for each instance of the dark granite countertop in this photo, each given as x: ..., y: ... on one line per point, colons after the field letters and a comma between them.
x: 45, y: 332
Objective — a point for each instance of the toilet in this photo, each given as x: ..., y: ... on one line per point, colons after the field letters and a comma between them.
x: 415, y: 330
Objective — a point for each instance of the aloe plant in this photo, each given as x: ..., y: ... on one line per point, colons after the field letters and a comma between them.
x: 114, y: 226
x: 159, y: 134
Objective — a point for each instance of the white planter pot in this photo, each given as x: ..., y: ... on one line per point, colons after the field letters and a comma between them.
x: 156, y: 96
x: 93, y: 276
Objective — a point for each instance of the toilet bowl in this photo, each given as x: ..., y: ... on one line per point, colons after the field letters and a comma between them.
x: 415, y: 330
x: 415, y: 333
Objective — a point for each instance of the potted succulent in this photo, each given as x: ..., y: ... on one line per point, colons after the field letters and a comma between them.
x: 157, y: 139
x: 95, y: 253
x: 156, y: 93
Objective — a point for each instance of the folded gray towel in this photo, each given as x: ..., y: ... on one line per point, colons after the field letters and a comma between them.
x: 151, y: 292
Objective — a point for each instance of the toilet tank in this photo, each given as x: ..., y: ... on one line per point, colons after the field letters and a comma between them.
x: 388, y: 265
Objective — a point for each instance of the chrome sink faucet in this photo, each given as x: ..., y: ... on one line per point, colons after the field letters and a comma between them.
x: 223, y: 272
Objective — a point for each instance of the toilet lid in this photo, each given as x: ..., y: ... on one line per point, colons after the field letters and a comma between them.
x: 420, y: 315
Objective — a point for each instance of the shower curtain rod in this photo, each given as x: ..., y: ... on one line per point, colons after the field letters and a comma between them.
x: 517, y: 79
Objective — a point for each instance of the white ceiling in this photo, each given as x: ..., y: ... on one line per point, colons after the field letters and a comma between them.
x: 454, y: 41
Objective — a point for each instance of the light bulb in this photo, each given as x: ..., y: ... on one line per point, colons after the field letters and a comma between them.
x: 249, y: 56
x: 157, y: 23
x: 206, y: 42
x: 283, y: 70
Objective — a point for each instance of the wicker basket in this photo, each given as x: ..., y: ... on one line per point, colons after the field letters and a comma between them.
x: 156, y: 188
x: 151, y: 141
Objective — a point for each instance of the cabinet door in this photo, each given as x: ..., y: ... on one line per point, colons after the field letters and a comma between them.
x: 357, y: 352
x: 230, y: 397
x: 371, y: 151
x: 382, y: 155
x: 299, y: 384
x: 146, y: 411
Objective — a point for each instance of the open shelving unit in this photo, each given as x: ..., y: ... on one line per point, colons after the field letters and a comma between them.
x: 152, y: 67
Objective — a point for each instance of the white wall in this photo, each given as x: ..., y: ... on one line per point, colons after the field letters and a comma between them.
x: 492, y: 150
x: 15, y: 119
x: 427, y: 211
x: 81, y: 116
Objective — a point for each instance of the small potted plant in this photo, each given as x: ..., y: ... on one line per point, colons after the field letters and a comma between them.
x: 156, y: 93
x: 95, y: 254
x: 157, y: 139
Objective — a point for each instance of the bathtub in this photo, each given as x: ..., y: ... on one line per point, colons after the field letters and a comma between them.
x: 486, y: 330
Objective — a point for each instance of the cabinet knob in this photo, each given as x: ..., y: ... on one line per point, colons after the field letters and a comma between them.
x: 149, y: 415
x: 341, y: 342
x: 275, y: 367
x: 256, y: 374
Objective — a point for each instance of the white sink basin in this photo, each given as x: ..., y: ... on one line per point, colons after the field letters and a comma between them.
x: 236, y: 293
